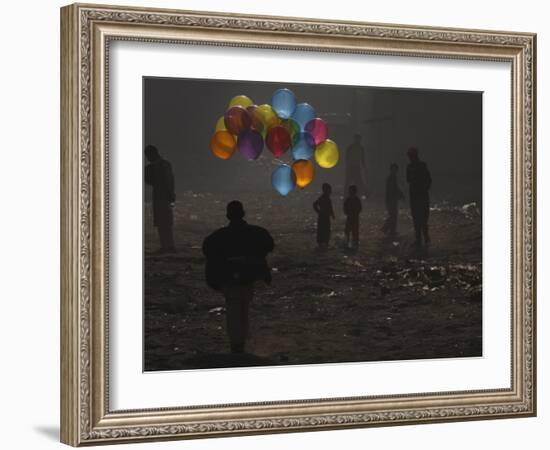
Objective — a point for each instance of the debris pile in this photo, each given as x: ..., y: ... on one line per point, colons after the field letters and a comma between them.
x: 419, y: 275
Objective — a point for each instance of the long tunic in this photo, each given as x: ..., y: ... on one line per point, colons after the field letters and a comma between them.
x: 420, y: 181
x: 323, y: 207
x: 159, y: 175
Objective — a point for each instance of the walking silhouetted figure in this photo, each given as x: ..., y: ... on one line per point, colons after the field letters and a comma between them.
x: 158, y: 174
x: 352, y: 209
x: 393, y: 195
x: 235, y: 259
x: 420, y: 182
x: 323, y: 208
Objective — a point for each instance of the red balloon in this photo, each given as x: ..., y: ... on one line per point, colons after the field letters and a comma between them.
x: 278, y: 140
x: 237, y: 119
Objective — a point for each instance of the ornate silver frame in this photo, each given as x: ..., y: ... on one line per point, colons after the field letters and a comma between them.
x: 86, y: 31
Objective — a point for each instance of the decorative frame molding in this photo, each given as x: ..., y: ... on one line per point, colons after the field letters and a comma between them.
x: 86, y: 31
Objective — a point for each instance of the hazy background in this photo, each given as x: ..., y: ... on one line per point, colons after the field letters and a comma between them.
x: 446, y: 126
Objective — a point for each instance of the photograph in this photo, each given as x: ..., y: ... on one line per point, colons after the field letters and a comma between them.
x: 275, y: 224
x: 289, y: 223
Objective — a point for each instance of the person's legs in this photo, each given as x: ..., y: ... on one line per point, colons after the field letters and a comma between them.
x: 164, y: 220
x: 233, y: 318
x: 355, y: 232
x: 237, y: 304
x: 247, y: 294
x: 386, y: 225
x: 166, y: 237
x: 347, y: 231
x: 392, y: 221
x: 417, y: 226
x: 319, y: 231
x: 323, y: 231
x: 425, y: 228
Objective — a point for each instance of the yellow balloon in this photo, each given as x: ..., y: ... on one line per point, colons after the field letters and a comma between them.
x: 223, y: 144
x: 240, y: 100
x: 267, y: 116
x: 220, y: 124
x: 327, y: 154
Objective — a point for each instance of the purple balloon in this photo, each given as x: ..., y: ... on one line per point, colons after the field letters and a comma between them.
x: 318, y: 129
x: 250, y: 144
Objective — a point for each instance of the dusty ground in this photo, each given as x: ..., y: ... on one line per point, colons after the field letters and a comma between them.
x: 385, y: 302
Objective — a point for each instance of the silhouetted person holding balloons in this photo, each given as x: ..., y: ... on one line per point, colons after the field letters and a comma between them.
x: 323, y: 208
x: 420, y: 182
x: 158, y: 174
x: 352, y: 209
x: 235, y: 259
x: 393, y: 195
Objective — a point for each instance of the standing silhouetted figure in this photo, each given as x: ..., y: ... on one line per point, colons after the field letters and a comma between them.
x: 420, y: 181
x: 393, y: 195
x: 356, y: 166
x: 352, y: 209
x: 235, y: 259
x: 323, y: 208
x: 158, y: 174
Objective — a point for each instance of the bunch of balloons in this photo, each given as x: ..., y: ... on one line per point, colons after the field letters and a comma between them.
x: 282, y: 126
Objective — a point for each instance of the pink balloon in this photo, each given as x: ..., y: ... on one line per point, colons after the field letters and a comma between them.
x: 318, y: 129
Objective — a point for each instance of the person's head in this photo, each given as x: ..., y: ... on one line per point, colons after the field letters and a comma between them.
x: 152, y: 153
x: 352, y: 190
x: 235, y: 210
x: 357, y: 138
x: 412, y: 153
x: 393, y: 168
x: 327, y: 189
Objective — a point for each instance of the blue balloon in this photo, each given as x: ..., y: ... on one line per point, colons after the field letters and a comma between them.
x: 283, y: 103
x: 283, y: 179
x: 303, y: 113
x: 303, y: 146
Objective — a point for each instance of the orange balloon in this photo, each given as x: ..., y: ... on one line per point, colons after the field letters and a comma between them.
x: 304, y: 171
x: 223, y: 144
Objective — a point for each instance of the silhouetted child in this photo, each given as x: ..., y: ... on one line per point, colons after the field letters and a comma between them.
x: 235, y: 260
x: 323, y: 208
x: 352, y: 209
x: 393, y: 195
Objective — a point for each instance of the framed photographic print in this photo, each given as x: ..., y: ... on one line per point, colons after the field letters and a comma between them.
x: 276, y: 224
